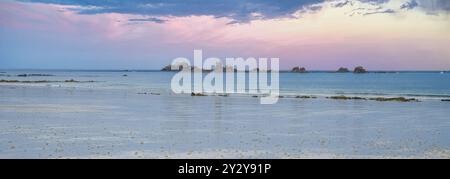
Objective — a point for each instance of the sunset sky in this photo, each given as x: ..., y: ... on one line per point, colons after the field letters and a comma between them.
x: 149, y: 34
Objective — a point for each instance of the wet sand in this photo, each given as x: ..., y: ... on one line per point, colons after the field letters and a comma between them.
x: 50, y: 122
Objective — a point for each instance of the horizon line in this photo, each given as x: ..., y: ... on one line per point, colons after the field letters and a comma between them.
x: 131, y: 70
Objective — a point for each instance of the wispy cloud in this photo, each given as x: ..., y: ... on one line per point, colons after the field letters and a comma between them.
x: 150, y: 19
x: 387, y: 11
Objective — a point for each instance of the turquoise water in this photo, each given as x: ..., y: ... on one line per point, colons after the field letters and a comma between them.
x: 111, y: 118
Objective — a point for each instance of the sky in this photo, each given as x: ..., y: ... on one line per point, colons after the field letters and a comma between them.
x: 149, y: 34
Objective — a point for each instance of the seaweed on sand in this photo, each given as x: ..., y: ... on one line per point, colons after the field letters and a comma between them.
x: 27, y: 75
x: 346, y: 98
x: 75, y: 81
x: 398, y: 99
x: 197, y: 94
x: 306, y: 97
x: 44, y: 81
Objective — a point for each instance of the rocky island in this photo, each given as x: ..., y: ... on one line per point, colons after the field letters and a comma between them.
x: 359, y: 69
x: 299, y: 70
x: 224, y: 69
x: 342, y: 70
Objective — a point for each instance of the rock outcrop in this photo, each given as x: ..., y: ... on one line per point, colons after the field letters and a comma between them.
x: 299, y: 70
x: 197, y: 94
x: 180, y: 67
x: 381, y: 99
x: 359, y: 69
x: 169, y: 68
x: 306, y: 97
x: 45, y: 81
x: 342, y: 70
x: 193, y: 68
x: 346, y: 98
x: 29, y: 75
x: 399, y: 99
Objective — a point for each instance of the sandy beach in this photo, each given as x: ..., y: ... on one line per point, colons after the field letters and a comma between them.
x: 93, y: 121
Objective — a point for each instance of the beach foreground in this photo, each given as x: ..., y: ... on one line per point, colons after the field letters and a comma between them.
x: 52, y: 122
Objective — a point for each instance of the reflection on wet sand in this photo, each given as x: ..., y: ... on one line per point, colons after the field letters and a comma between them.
x: 42, y: 122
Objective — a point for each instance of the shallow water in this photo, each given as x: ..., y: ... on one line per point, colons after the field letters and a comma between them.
x: 109, y: 119
x: 415, y: 84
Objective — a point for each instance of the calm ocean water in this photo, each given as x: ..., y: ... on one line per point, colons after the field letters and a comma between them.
x: 414, y: 84
x: 111, y: 118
